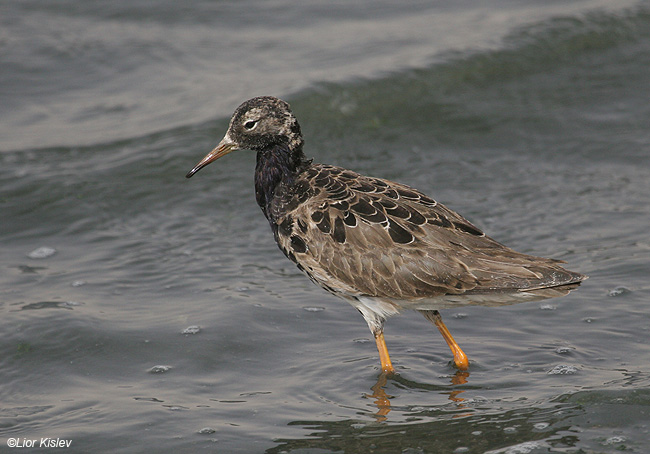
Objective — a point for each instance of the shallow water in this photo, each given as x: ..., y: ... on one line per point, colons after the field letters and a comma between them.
x: 161, y: 316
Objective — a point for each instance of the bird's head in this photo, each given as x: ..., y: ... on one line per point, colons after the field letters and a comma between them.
x: 258, y: 124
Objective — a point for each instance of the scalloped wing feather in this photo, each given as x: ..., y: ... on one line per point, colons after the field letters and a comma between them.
x: 358, y: 235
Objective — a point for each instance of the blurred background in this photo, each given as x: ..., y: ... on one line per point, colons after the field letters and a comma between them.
x: 145, y: 312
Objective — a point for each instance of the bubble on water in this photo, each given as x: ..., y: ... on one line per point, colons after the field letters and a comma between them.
x: 476, y: 400
x: 510, y: 430
x: 618, y: 291
x: 548, y: 307
x: 563, y: 369
x: 242, y: 289
x: 615, y: 440
x: 207, y: 430
x: 193, y: 329
x: 461, y: 450
x: 313, y: 309
x: 460, y: 315
x: 522, y: 448
x: 361, y: 340
x: 476, y: 433
x: 42, y: 252
x: 541, y: 425
x: 78, y: 283
x: 160, y: 369
x: 564, y: 350
x: 417, y: 450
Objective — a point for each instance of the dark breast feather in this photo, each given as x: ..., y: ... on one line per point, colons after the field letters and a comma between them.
x: 368, y: 236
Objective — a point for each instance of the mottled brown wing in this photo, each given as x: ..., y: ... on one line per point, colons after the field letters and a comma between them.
x: 367, y: 236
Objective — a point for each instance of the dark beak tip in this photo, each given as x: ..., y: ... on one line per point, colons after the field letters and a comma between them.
x: 191, y: 173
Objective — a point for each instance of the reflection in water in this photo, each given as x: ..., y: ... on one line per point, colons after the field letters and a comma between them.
x: 459, y: 378
x: 382, y: 399
x: 469, y: 423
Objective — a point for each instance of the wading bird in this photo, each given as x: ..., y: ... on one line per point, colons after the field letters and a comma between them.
x: 382, y: 246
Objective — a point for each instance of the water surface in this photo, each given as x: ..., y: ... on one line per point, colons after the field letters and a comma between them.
x: 160, y: 315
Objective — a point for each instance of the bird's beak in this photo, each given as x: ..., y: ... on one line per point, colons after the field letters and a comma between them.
x: 225, y: 146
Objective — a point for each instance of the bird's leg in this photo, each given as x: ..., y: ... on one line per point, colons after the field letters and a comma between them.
x: 386, y: 365
x: 376, y: 324
x: 460, y: 358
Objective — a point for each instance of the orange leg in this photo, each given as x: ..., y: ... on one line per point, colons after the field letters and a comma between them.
x: 460, y: 358
x: 386, y: 365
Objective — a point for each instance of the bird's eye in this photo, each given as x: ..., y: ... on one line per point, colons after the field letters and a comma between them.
x: 250, y: 124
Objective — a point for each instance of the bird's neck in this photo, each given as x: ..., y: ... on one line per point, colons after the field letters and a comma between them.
x: 275, y: 165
